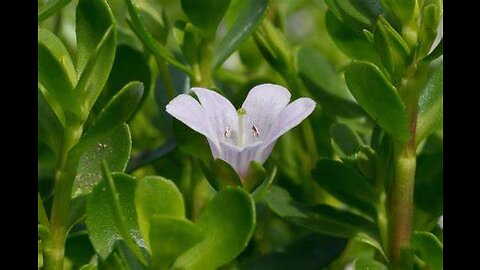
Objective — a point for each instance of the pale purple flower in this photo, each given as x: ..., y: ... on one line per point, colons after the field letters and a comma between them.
x: 239, y: 137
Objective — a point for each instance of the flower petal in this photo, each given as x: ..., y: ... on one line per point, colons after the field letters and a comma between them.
x: 240, y: 157
x: 290, y: 117
x: 263, y: 105
x: 219, y: 112
x: 187, y: 109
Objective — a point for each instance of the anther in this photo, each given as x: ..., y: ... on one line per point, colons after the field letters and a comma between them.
x: 255, y: 131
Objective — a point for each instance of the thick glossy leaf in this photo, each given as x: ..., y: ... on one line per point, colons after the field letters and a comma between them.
x: 324, y: 219
x: 129, y: 65
x: 368, y: 264
x: 351, y: 14
x: 248, y: 15
x: 100, y: 220
x: 114, y: 147
x: 93, y: 18
x: 56, y: 72
x: 51, y: 7
x: 170, y: 237
x: 259, y: 193
x: 313, y: 65
x: 205, y: 14
x: 401, y: 10
x: 141, y: 30
x: 115, y: 113
x: 345, y: 138
x: 50, y: 129
x: 430, y: 106
x: 393, y: 50
x: 96, y: 71
x: 352, y: 43
x: 367, y: 239
x: 332, y: 105
x: 378, y: 98
x: 428, y: 28
x: 227, y: 223
x: 77, y: 210
x: 345, y: 183
x: 370, y: 8
x: 156, y: 195
x: 429, y: 248
x: 221, y: 174
x: 437, y: 52
x: 255, y: 177
x: 312, y: 251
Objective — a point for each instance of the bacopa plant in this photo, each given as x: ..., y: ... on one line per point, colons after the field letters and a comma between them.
x: 240, y: 134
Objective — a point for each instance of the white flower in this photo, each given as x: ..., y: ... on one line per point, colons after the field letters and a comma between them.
x: 239, y: 137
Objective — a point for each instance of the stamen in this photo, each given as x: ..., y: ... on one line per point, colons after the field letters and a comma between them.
x: 241, y: 112
x: 227, y: 132
x: 255, y: 131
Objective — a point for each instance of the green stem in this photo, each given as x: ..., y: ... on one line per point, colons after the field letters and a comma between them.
x: 205, y: 76
x: 167, y: 79
x: 382, y: 221
x: 401, y: 198
x: 64, y: 176
x: 54, y: 246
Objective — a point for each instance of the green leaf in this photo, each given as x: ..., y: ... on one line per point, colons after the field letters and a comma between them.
x: 56, y: 72
x: 353, y: 43
x: 220, y: 174
x: 93, y: 19
x: 170, y: 237
x: 370, y: 8
x: 345, y: 138
x: 346, y: 184
x: 368, y: 264
x: 249, y: 13
x: 428, y: 28
x: 114, y: 147
x: 122, y: 73
x: 156, y: 195
x: 96, y: 71
x: 311, y: 251
x: 378, y: 98
x: 77, y: 210
x: 50, y: 8
x: 429, y: 248
x: 100, y: 220
x: 141, y: 30
x: 115, y: 113
x: 50, y: 129
x: 227, y: 223
x: 437, y: 52
x: 393, y: 50
x: 205, y: 14
x: 366, y: 239
x: 259, y: 193
x: 314, y: 66
x: 402, y: 10
x: 324, y: 218
x: 351, y: 14
x: 430, y: 106
x: 256, y: 175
